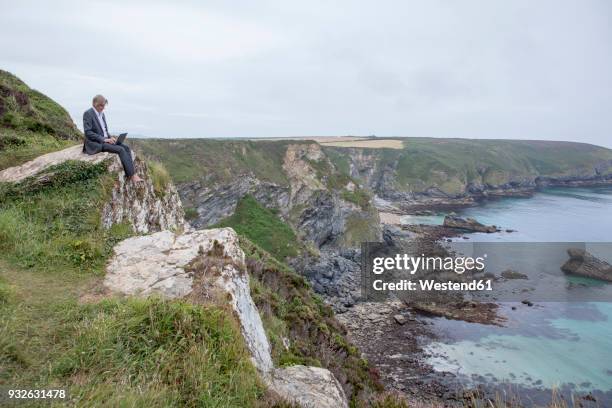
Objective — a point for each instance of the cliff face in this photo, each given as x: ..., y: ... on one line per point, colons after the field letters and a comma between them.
x: 204, y: 267
x: 331, y: 195
x: 323, y: 205
x: 421, y: 172
x: 311, y: 201
x: 136, y: 204
x: 146, y: 209
x: 208, y: 267
x: 455, y: 171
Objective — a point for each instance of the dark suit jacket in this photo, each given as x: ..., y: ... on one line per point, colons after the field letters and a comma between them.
x: 94, y: 135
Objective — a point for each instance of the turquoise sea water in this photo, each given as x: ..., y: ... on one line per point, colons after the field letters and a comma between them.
x: 567, y: 346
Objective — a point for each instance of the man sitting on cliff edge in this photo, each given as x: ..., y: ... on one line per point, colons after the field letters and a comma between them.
x: 98, y: 140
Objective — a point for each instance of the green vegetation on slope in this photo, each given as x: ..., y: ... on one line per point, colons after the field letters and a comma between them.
x: 52, y: 220
x: 159, y: 177
x: 447, y: 164
x: 167, y: 352
x: 450, y: 164
x: 128, y: 352
x: 217, y: 161
x: 30, y: 123
x: 115, y: 352
x: 262, y: 226
x: 290, y: 310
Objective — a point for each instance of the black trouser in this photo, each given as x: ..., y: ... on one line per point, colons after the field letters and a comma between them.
x: 125, y: 155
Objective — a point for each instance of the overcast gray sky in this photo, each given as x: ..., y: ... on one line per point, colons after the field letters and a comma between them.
x: 484, y: 69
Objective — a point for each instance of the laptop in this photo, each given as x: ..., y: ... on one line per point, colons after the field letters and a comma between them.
x: 121, y: 138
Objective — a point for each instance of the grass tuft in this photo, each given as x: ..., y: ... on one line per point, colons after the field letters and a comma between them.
x: 159, y: 177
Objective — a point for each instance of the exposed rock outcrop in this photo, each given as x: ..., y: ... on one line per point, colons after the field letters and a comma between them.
x: 336, y: 275
x: 585, y: 264
x: 468, y: 224
x: 159, y: 263
x: 40, y: 163
x: 137, y: 204
x: 310, y: 387
x: 318, y: 213
x: 209, y: 266
x: 302, y: 176
x: 140, y: 205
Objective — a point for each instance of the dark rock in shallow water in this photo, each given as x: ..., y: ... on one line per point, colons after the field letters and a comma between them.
x: 392, y: 234
x: 468, y: 224
x: 584, y: 264
x: 512, y: 274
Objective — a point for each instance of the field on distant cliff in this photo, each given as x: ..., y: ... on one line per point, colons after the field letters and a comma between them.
x: 367, y: 143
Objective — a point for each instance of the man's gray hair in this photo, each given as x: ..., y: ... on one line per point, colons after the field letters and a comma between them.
x: 99, y: 98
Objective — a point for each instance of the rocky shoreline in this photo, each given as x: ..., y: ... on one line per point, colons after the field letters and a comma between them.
x: 392, y: 335
x: 323, y: 207
x: 433, y: 201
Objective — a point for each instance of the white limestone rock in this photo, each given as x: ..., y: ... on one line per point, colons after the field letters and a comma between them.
x: 139, y: 205
x: 29, y: 169
x: 310, y: 387
x: 158, y: 263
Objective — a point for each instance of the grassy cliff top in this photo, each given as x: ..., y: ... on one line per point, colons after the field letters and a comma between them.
x: 58, y: 329
x: 24, y: 108
x: 452, y: 163
x: 30, y: 123
x: 421, y: 162
x: 218, y: 160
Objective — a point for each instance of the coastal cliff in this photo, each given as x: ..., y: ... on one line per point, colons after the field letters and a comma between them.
x: 129, y: 304
x: 455, y: 172
x: 331, y: 196
x: 417, y: 172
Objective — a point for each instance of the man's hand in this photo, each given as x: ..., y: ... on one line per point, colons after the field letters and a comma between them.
x: 110, y: 140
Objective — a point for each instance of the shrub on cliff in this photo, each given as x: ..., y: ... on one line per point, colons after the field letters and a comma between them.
x: 159, y: 177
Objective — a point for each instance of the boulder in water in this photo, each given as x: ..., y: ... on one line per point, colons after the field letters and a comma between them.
x: 585, y: 264
x: 468, y: 224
